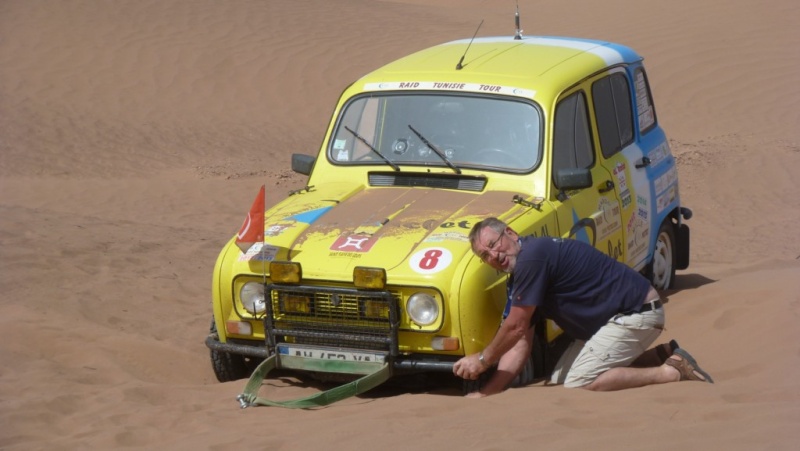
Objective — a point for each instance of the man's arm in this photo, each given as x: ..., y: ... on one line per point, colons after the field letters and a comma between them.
x: 511, y: 331
x: 508, y: 368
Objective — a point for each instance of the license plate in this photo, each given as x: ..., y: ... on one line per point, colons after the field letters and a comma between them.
x: 331, y: 354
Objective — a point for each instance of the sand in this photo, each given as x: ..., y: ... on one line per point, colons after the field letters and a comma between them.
x: 134, y: 135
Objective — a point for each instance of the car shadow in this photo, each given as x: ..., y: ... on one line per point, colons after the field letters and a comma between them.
x: 398, y: 385
x: 685, y: 282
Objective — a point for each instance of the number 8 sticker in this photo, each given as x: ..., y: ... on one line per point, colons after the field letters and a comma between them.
x: 430, y: 260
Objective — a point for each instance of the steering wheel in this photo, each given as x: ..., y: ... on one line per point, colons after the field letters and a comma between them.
x: 496, y: 155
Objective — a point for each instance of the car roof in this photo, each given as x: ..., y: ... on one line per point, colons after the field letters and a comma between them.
x: 536, y: 63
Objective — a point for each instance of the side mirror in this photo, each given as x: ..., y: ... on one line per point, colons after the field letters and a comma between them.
x: 572, y: 179
x: 303, y: 164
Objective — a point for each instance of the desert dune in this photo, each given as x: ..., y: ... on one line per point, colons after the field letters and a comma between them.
x: 134, y: 135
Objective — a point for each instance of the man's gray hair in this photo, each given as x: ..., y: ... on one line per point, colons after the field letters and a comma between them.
x: 492, y: 223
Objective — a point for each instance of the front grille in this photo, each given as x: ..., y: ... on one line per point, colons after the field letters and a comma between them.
x: 332, y: 317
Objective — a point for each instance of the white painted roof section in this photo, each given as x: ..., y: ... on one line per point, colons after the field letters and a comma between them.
x: 603, y: 50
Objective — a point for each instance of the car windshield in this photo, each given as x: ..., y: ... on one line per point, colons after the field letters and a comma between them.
x: 467, y: 131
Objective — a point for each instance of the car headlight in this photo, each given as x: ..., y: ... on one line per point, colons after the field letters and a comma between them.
x: 252, y: 297
x: 422, y: 309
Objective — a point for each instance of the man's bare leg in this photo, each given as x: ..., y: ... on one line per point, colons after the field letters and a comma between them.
x: 622, y: 378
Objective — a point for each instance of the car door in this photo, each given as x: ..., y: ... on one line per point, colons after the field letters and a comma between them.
x: 622, y: 156
x: 590, y: 214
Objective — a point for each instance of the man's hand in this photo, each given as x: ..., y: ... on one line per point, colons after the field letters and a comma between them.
x: 469, y: 367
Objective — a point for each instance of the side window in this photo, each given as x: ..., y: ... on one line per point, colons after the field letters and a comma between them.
x: 644, y: 101
x: 614, y: 112
x: 572, y: 139
x: 360, y: 116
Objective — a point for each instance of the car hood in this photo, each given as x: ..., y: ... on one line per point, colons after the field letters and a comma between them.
x: 411, y: 231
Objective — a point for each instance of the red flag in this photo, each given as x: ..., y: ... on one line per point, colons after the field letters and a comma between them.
x: 252, y: 230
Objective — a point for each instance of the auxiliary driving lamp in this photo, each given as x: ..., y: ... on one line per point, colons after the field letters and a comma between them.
x: 285, y: 272
x: 372, y: 278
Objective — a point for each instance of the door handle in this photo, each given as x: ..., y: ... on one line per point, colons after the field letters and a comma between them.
x: 609, y: 186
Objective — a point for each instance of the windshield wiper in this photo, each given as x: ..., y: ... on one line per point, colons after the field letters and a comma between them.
x: 358, y: 137
x: 435, y: 150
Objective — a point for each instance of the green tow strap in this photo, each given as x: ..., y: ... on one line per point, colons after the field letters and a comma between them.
x: 250, y: 395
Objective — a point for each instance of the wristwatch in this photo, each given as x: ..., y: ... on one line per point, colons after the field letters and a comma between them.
x: 483, y: 362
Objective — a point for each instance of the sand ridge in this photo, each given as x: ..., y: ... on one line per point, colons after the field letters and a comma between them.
x: 134, y: 135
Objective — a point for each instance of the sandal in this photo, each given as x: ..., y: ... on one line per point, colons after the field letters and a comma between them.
x: 688, y: 367
x: 655, y: 356
x: 666, y: 350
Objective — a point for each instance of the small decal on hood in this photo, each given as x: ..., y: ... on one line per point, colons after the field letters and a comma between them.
x: 446, y: 236
x: 430, y: 260
x: 259, y: 252
x: 275, y: 230
x: 310, y: 216
x: 353, y: 243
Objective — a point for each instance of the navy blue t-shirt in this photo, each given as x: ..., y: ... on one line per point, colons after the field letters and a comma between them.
x: 574, y: 284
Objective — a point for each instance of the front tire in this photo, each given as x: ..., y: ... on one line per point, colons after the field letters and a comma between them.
x: 661, y: 270
x: 228, y: 367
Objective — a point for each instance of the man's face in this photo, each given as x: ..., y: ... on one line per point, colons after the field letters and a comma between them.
x: 498, y: 250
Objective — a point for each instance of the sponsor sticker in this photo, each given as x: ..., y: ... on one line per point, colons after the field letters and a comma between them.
x: 658, y: 154
x: 353, y: 243
x: 638, y: 232
x: 275, y: 230
x: 609, y: 220
x: 666, y: 198
x: 259, y: 252
x: 446, y: 236
x: 430, y: 260
x: 450, y: 86
x: 666, y: 180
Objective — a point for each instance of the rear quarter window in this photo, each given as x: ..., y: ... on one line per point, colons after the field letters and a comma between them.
x: 614, y: 112
x: 644, y: 101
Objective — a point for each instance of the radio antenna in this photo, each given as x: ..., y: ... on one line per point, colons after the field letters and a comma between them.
x: 459, y: 66
x: 518, y: 34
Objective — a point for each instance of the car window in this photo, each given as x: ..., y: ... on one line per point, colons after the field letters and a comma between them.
x: 613, y: 110
x: 572, y: 139
x: 472, y: 131
x: 644, y: 101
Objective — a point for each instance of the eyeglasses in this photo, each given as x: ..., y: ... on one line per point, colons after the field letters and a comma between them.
x: 484, y: 255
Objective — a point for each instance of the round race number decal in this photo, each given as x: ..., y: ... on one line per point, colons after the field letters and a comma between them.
x: 430, y: 260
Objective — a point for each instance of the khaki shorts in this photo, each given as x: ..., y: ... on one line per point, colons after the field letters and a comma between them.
x: 617, y: 344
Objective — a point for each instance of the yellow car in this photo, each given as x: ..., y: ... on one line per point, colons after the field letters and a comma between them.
x: 370, y: 264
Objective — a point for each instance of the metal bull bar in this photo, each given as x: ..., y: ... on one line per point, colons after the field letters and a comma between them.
x: 399, y: 364
x: 336, y: 323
